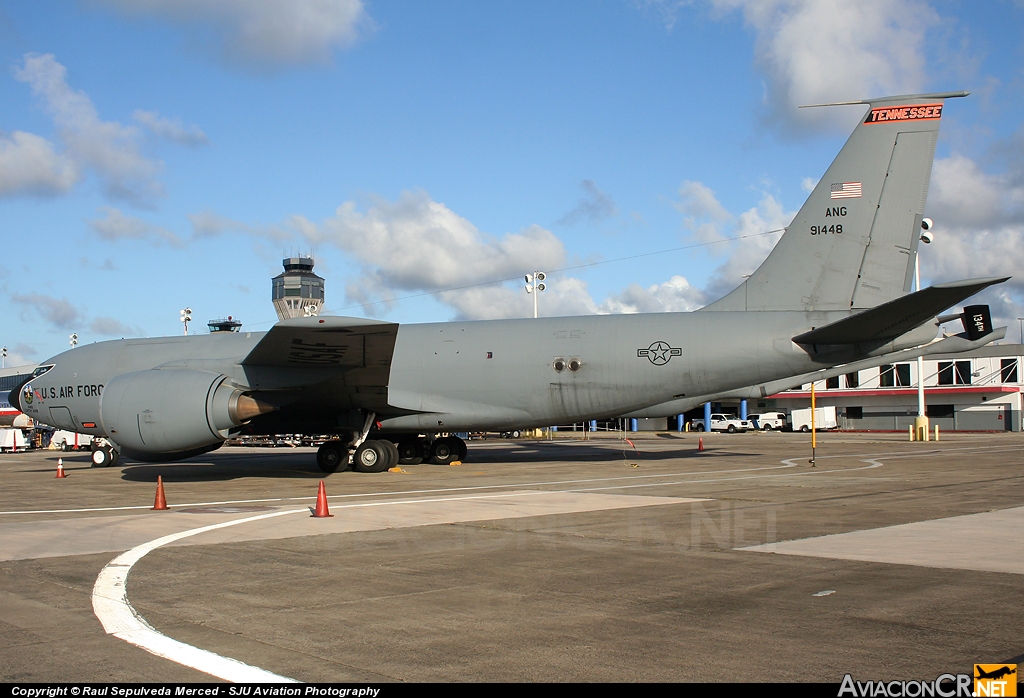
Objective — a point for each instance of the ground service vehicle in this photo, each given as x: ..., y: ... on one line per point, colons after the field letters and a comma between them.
x: 824, y: 418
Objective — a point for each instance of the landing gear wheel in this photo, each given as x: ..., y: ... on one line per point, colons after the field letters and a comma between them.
x: 332, y: 456
x: 461, y: 449
x: 392, y: 451
x: 411, y: 451
x: 371, y: 457
x: 105, y: 457
x: 443, y: 451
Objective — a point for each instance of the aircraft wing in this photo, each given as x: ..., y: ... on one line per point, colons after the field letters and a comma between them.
x: 890, y: 320
x: 326, y: 342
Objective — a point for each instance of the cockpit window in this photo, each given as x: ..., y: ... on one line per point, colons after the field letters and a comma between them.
x: 41, y: 370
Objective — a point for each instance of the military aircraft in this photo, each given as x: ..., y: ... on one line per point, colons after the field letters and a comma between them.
x: 831, y: 296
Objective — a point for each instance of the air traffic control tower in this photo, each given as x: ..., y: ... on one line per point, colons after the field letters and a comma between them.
x: 298, y: 292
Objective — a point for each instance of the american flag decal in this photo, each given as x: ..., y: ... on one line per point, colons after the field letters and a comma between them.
x: 846, y: 190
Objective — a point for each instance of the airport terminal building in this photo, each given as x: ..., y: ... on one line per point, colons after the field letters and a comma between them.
x: 975, y: 391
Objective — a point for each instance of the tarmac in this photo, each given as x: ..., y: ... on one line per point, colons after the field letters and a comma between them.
x: 533, y: 561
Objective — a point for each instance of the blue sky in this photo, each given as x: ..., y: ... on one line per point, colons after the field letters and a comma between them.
x: 161, y: 154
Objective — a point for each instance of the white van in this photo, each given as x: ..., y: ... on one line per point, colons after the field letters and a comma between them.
x: 70, y: 441
x: 766, y: 421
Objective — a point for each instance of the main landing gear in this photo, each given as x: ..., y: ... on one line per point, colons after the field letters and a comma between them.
x: 105, y: 457
x: 378, y: 455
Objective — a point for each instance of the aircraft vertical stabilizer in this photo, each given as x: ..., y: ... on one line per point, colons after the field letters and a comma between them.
x: 852, y: 244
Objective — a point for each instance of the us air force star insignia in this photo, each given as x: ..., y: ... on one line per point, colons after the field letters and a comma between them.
x: 659, y: 353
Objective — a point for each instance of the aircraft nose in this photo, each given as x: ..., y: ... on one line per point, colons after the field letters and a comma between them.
x: 14, y: 397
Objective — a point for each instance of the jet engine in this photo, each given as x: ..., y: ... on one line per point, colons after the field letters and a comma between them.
x: 167, y: 414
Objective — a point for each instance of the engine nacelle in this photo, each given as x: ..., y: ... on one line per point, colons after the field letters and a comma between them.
x: 173, y: 413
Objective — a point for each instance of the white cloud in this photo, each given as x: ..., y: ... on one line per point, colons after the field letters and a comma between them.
x: 979, y: 232
x: 753, y: 245
x: 30, y: 165
x: 674, y: 295
x: 418, y: 244
x: 118, y: 226
x: 59, y: 312
x: 171, y: 129
x: 108, y: 148
x: 815, y: 51
x: 262, y: 32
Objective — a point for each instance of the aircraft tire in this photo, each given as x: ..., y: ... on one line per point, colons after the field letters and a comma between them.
x: 104, y: 457
x: 463, y: 449
x: 64, y: 446
x: 371, y: 457
x: 392, y: 452
x: 443, y: 451
x: 411, y: 451
x: 331, y: 456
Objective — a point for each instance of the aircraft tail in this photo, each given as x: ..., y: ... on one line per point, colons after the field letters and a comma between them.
x: 853, y: 243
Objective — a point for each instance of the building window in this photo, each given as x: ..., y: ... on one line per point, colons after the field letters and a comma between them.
x: 855, y: 413
x: 954, y: 373
x: 832, y: 383
x: 903, y: 375
x: 944, y: 411
x: 890, y: 376
x: 886, y: 376
x: 853, y: 380
x: 1008, y: 371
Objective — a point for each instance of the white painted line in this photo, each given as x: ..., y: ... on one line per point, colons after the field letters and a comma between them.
x: 119, y: 618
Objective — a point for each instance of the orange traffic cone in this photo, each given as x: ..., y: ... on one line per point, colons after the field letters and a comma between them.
x: 60, y: 468
x: 700, y: 444
x: 160, y: 504
x: 321, y: 503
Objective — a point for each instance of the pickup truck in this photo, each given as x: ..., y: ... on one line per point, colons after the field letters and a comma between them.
x: 722, y: 422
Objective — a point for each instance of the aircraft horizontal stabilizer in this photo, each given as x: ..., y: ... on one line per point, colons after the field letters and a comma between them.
x: 326, y: 342
x: 890, y: 320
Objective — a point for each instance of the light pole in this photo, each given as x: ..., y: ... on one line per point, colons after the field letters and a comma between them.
x: 74, y: 339
x: 922, y: 419
x: 186, y: 317
x: 1021, y: 321
x: 4, y: 363
x: 534, y: 286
